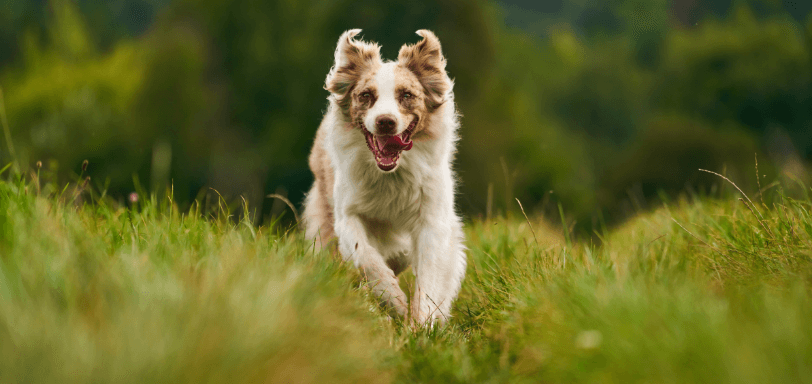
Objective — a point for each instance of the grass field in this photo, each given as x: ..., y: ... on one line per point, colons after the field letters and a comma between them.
x: 699, y: 291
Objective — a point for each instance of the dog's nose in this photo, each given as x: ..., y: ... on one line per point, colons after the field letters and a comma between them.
x: 386, y: 125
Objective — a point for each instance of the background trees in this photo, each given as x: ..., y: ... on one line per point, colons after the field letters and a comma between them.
x: 601, y: 106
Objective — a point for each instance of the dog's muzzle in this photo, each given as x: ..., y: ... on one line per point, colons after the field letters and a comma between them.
x: 387, y: 148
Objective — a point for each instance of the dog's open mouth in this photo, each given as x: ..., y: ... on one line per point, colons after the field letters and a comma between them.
x: 387, y: 148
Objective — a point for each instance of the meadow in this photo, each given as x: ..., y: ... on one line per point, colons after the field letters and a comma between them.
x: 700, y: 290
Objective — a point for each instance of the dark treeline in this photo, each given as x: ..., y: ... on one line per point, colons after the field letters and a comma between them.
x: 605, y: 107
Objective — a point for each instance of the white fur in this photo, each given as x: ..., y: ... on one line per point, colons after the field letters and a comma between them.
x: 387, y: 103
x: 417, y: 199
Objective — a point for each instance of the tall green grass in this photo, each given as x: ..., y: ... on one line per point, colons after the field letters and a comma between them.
x: 699, y: 291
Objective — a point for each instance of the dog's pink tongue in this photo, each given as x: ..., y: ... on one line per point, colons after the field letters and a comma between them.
x: 403, y: 145
x: 393, y: 143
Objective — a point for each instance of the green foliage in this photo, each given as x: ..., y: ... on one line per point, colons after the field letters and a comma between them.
x: 81, y: 116
x: 752, y: 72
x: 610, y: 105
x: 667, y: 155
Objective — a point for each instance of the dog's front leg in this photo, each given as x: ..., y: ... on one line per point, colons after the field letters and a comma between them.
x: 439, y: 269
x: 354, y: 246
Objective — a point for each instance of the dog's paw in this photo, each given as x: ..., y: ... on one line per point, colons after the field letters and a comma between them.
x: 427, y: 320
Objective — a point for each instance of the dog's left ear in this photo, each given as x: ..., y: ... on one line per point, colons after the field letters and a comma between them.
x: 425, y: 59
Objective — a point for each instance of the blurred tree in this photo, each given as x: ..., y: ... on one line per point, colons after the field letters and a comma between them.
x: 113, y: 20
x: 666, y: 158
x: 106, y: 21
x: 756, y: 73
x: 604, y: 103
x: 514, y: 140
x: 69, y: 104
x: 17, y: 17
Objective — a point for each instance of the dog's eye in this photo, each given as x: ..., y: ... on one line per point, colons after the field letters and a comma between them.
x: 407, y: 95
x: 366, y: 95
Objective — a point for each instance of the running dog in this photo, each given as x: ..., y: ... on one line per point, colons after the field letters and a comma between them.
x: 384, y: 187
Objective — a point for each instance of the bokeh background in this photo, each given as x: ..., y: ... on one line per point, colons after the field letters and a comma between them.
x: 601, y: 107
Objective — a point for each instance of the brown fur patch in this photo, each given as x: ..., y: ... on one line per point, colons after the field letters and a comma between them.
x: 322, y: 169
x: 358, y: 105
x: 416, y: 106
x: 359, y: 59
x: 425, y: 59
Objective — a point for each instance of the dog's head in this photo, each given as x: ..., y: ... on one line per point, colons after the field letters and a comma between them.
x: 390, y: 102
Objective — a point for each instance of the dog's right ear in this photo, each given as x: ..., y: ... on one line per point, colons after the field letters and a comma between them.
x: 352, y: 58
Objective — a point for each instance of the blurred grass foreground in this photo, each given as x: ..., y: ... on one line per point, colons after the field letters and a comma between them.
x: 702, y: 291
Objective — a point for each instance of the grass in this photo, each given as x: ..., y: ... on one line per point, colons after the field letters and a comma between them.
x: 700, y: 291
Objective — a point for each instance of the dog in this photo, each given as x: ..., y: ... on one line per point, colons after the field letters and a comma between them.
x: 384, y: 186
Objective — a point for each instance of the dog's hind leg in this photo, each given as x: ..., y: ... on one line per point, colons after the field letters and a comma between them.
x: 354, y: 245
x: 318, y: 218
